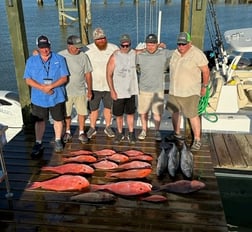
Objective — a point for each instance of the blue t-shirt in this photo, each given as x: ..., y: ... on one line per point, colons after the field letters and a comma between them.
x: 51, y: 70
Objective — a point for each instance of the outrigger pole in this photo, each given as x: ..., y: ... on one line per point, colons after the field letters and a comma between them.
x: 220, y: 53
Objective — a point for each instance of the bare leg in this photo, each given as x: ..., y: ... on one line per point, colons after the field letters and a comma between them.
x: 144, y: 121
x: 119, y: 123
x: 81, y: 121
x: 39, y: 130
x: 130, y: 122
x: 157, y: 119
x: 176, y: 121
x: 93, y: 118
x: 58, y: 128
x: 196, y: 127
x: 107, y: 116
x: 68, y: 123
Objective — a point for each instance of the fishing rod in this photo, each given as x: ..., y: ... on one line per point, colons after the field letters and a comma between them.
x: 222, y: 55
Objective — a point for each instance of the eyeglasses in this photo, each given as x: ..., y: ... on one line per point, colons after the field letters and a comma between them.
x: 181, y: 44
x: 125, y: 45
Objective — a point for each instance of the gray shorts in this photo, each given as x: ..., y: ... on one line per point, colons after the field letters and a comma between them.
x: 99, y: 96
x: 187, y: 105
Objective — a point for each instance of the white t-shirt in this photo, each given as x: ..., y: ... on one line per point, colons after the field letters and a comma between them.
x: 99, y: 60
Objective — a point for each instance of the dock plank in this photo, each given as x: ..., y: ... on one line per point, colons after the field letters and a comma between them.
x: 40, y: 210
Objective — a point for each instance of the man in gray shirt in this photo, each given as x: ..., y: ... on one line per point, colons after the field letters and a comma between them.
x: 152, y: 63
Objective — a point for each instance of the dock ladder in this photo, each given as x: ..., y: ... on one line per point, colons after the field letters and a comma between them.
x: 3, y: 170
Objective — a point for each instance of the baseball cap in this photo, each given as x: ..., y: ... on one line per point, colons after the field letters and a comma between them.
x: 184, y: 38
x: 98, y: 33
x: 43, y: 42
x: 125, y: 39
x: 151, y: 38
x: 75, y: 41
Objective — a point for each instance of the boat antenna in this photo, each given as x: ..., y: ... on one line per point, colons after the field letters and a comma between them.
x: 219, y: 47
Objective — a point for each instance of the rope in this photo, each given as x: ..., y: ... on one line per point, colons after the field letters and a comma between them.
x: 212, y: 117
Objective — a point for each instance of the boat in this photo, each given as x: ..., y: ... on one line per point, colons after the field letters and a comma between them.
x: 10, y: 113
x: 231, y: 86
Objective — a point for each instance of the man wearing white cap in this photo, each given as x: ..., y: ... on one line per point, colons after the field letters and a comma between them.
x: 99, y: 52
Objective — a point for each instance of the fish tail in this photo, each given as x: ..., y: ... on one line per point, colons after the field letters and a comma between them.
x: 95, y: 187
x: 108, y: 175
x: 34, y: 185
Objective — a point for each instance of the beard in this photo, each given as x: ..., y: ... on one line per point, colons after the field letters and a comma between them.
x: 101, y: 45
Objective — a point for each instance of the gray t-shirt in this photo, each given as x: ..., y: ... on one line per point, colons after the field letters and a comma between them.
x: 152, y: 68
x: 78, y: 65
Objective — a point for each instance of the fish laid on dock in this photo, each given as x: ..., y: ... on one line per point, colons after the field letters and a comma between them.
x: 162, y: 163
x: 124, y: 188
x: 186, y: 162
x: 173, y: 160
x: 104, y: 152
x: 105, y: 165
x: 118, y: 157
x: 182, y: 186
x: 130, y: 174
x: 134, y: 164
x: 62, y: 183
x: 70, y: 169
x: 94, y: 197
x: 142, y: 157
x: 80, y: 159
x: 154, y: 198
x: 133, y: 152
x: 81, y: 152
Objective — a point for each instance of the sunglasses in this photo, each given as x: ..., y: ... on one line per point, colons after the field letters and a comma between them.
x: 181, y: 44
x: 125, y: 46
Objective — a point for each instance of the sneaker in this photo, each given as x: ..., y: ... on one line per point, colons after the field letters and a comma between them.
x: 131, y: 138
x: 83, y: 138
x: 158, y: 136
x: 67, y: 138
x: 109, y: 132
x: 196, y: 145
x: 58, y: 146
x: 174, y: 136
x: 37, y: 150
x: 119, y: 137
x: 142, y: 135
x: 91, y: 132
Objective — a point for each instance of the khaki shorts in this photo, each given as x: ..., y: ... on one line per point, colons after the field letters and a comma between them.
x: 80, y: 103
x: 187, y: 105
x: 151, y: 101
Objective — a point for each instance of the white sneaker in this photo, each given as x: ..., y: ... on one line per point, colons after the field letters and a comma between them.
x: 142, y: 135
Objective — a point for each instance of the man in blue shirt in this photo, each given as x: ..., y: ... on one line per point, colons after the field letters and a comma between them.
x: 46, y: 74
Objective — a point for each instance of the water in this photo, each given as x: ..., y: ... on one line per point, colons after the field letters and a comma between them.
x: 117, y: 19
x: 44, y: 20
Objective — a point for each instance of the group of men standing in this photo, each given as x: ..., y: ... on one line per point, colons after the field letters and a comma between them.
x: 122, y: 78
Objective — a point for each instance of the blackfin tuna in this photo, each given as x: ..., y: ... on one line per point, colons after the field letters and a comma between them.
x: 186, y: 162
x: 173, y: 160
x: 162, y: 163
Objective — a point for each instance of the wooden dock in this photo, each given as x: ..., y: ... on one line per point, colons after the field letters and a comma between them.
x: 40, y: 210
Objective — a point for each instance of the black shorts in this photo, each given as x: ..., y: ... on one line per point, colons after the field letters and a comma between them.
x: 99, y: 96
x: 125, y: 105
x: 57, y: 112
